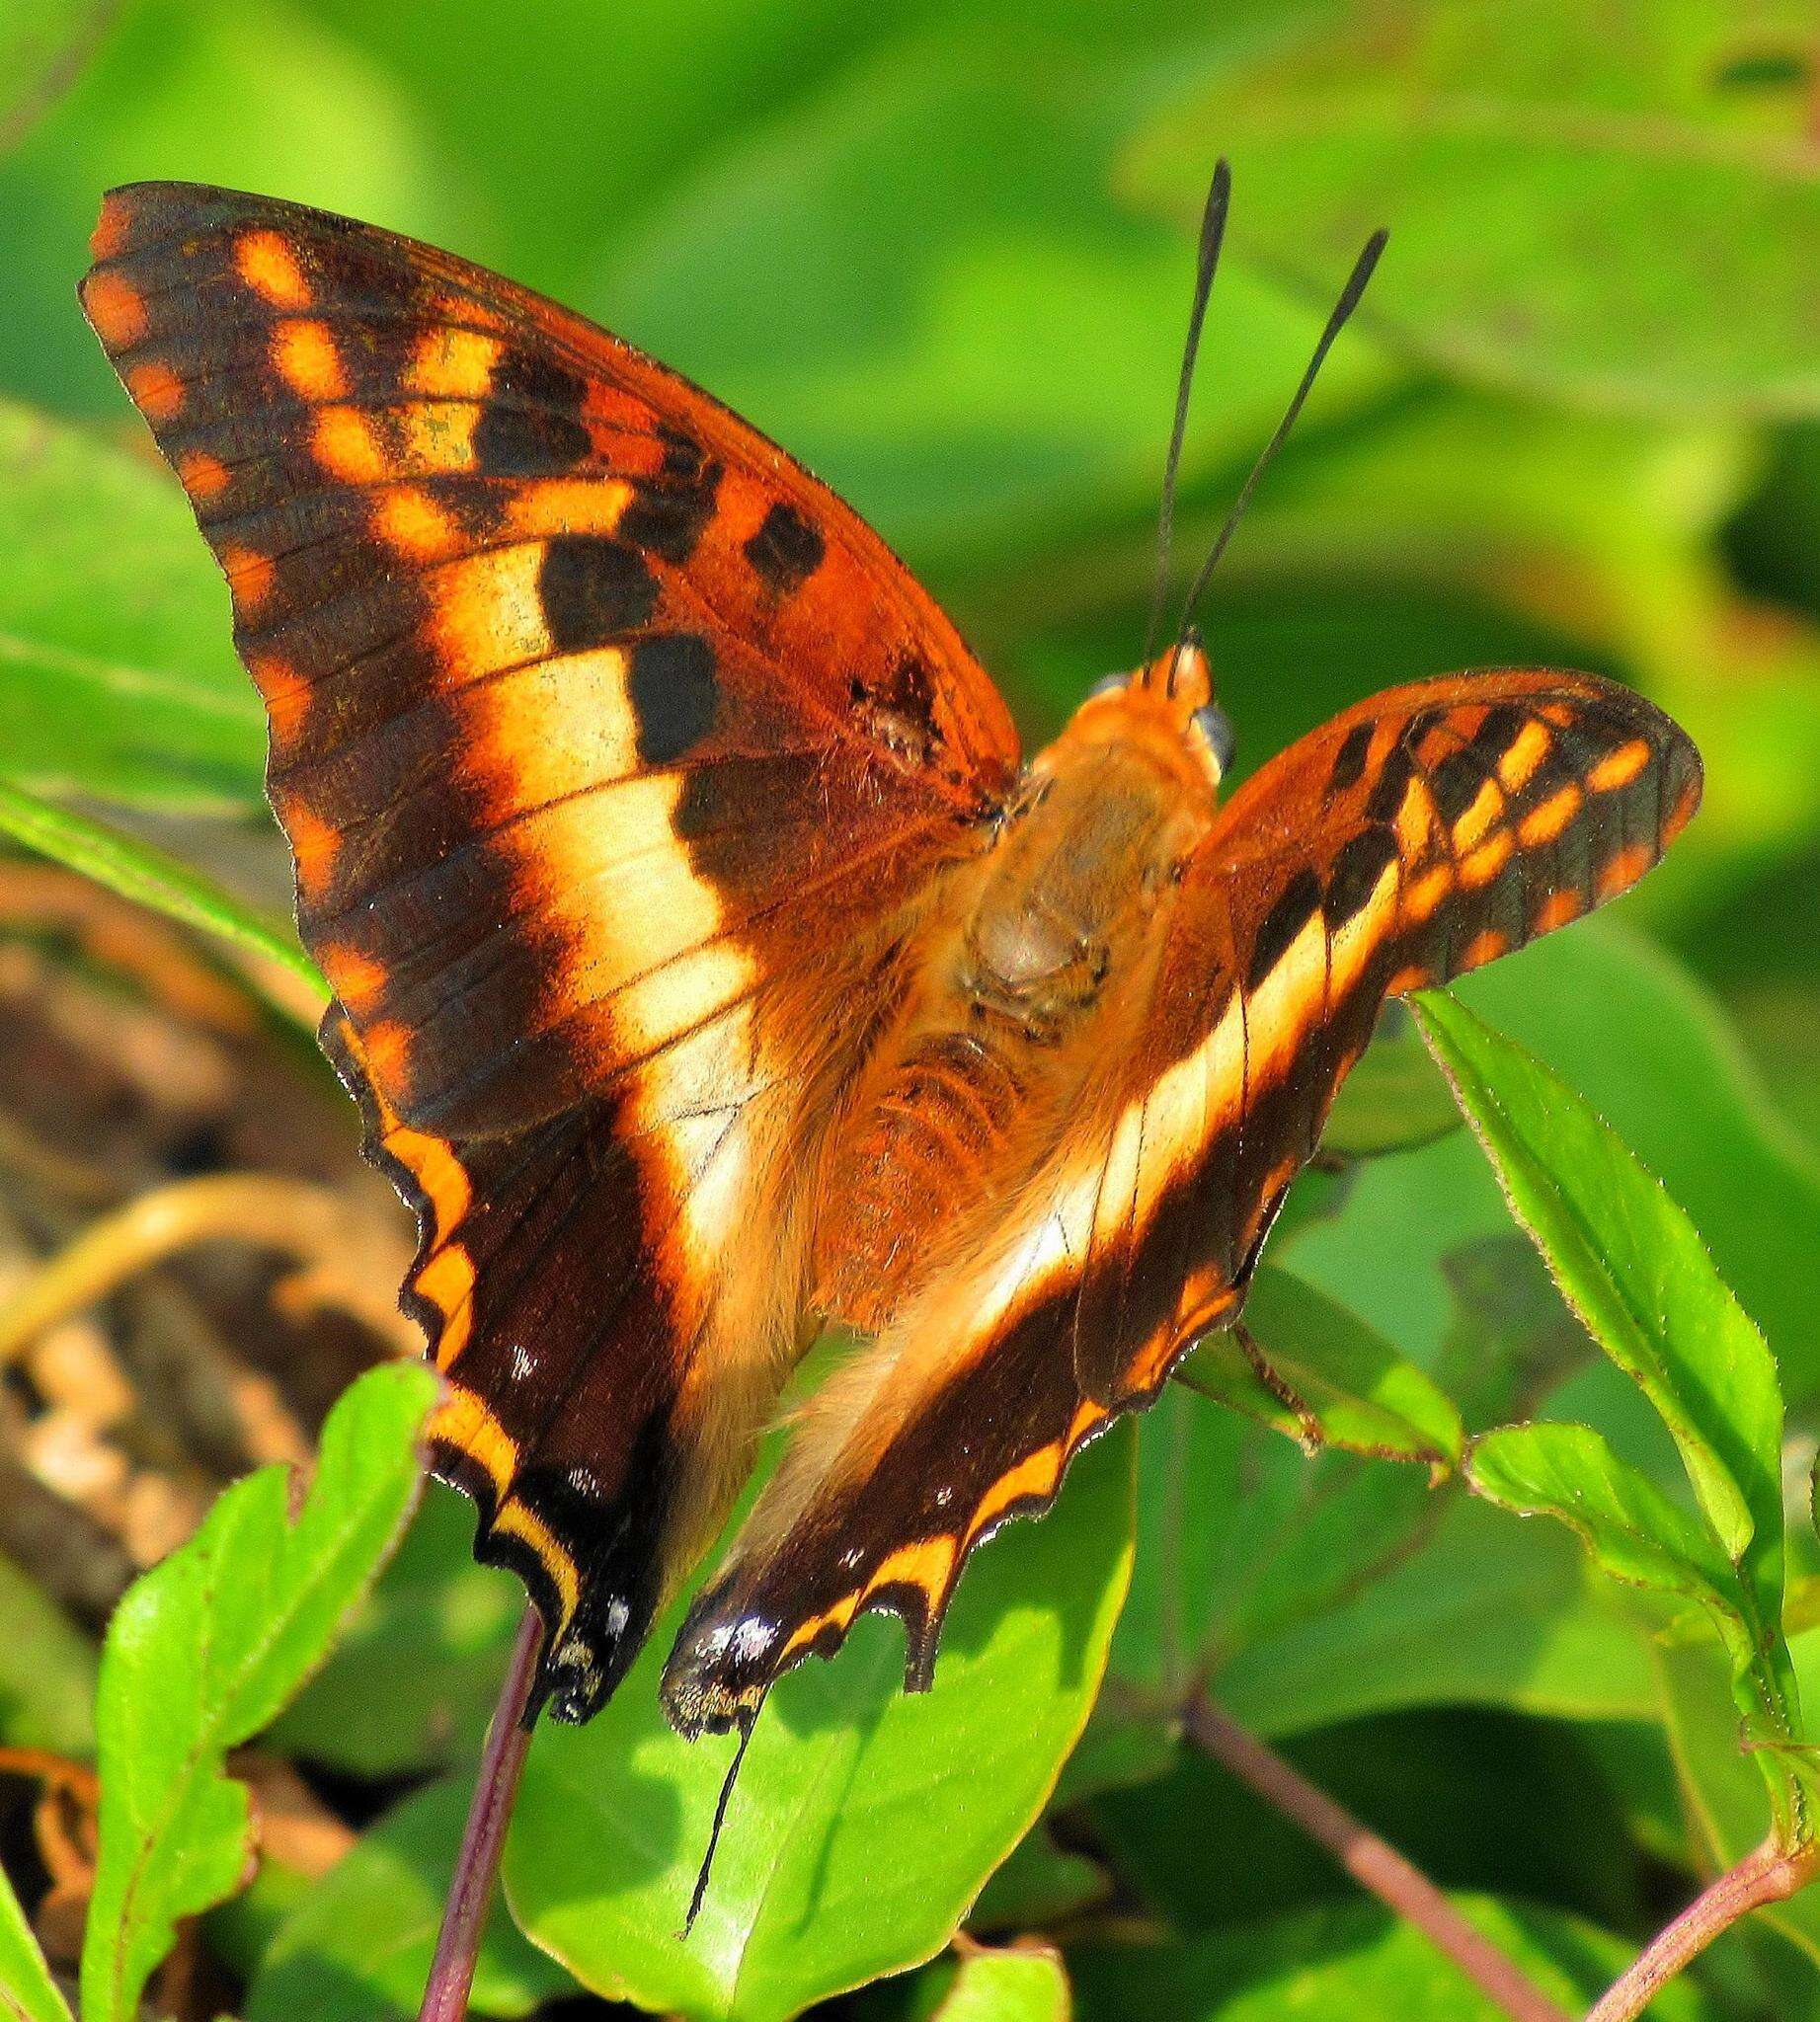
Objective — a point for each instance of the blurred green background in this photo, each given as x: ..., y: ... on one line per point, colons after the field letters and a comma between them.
x: 943, y: 252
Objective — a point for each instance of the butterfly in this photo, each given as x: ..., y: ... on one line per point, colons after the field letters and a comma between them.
x: 707, y: 963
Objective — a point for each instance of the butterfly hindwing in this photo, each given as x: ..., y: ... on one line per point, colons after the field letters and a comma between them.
x: 616, y: 757
x: 1413, y: 838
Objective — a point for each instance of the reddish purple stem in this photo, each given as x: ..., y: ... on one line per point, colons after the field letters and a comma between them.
x: 477, y: 1866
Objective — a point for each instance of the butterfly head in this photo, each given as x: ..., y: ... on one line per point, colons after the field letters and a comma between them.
x: 1169, y: 706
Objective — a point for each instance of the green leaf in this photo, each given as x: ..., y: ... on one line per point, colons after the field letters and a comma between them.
x: 28, y: 1994
x: 148, y: 876
x: 1355, y: 1959
x: 1637, y: 1535
x: 205, y: 1651
x: 1650, y: 1049
x: 1313, y: 1591
x: 429, y: 1644
x: 119, y: 676
x: 46, y: 1670
x: 1330, y: 1377
x: 357, y: 1948
x: 613, y: 1817
x: 1021, y: 1984
x: 1632, y: 1266
x: 1580, y: 132
x: 1039, y: 1885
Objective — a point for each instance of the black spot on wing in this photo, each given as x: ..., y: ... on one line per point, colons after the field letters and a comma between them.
x: 668, y: 516
x: 1457, y: 782
x: 1361, y: 862
x: 1392, y: 783
x: 1349, y: 760
x: 593, y: 590
x: 532, y: 424
x: 675, y: 694
x: 1293, y: 908
x: 1495, y: 736
x: 786, y: 550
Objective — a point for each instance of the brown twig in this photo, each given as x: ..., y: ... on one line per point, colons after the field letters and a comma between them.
x: 1769, y: 1875
x: 1372, y: 1862
x: 477, y: 1866
x: 296, y: 1218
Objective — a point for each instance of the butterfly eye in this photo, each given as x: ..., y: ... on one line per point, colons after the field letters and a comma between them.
x: 1217, y: 728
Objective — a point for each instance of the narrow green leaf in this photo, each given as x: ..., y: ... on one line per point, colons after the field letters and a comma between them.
x: 808, y: 1896
x: 149, y: 877
x: 1039, y: 1885
x: 1633, y: 1530
x: 118, y: 678
x: 203, y: 1652
x: 1329, y: 1377
x: 1632, y: 1266
x: 28, y: 1994
x: 359, y: 1946
x: 1021, y: 1984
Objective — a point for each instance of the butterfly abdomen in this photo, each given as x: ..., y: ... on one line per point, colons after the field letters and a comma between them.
x: 922, y: 1149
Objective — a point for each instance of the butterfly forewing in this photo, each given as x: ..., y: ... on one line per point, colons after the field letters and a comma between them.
x: 616, y: 757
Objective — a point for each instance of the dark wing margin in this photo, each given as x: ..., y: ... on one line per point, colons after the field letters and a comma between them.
x: 1419, y: 835
x: 616, y: 758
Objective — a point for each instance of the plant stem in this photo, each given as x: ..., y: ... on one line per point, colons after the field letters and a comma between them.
x: 477, y: 1866
x: 1374, y: 1863
x: 1770, y: 1875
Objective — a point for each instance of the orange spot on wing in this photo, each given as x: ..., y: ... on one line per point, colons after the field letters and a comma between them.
x: 1625, y: 869
x: 414, y: 524
x: 1488, y: 860
x: 1427, y: 893
x: 522, y: 1521
x: 250, y: 575
x: 355, y: 978
x: 116, y: 308
x: 453, y: 364
x: 306, y: 360
x: 345, y: 443
x: 1528, y: 749
x: 112, y: 227
x: 1558, y: 909
x: 447, y: 1283
x: 1621, y: 767
x: 1683, y: 810
x: 1545, y: 824
x: 1035, y: 1475
x: 156, y: 390
x: 1483, y: 947
x: 1486, y: 807
x: 465, y: 1422
x: 205, y: 477
x: 266, y: 263
x: 1413, y: 976
x: 313, y: 843
x: 926, y: 1564
x: 285, y: 692
x: 558, y: 506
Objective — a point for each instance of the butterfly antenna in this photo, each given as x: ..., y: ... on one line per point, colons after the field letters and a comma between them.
x: 1342, y: 309
x: 1213, y: 231
x: 747, y: 1721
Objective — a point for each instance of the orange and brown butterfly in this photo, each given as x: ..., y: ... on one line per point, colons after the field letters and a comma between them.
x: 707, y: 964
